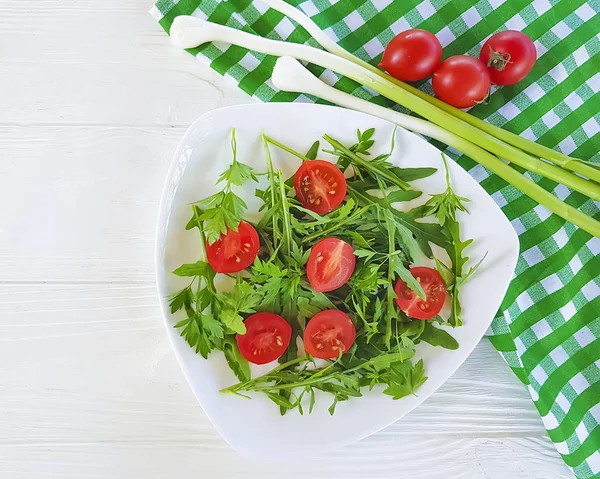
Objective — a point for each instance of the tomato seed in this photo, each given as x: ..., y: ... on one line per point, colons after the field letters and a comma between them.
x: 334, y: 185
x: 318, y: 202
x: 279, y: 341
x: 317, y: 171
x: 319, y: 346
x: 332, y: 192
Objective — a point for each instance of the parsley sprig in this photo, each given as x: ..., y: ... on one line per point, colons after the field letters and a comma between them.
x: 445, y: 206
x: 225, y: 209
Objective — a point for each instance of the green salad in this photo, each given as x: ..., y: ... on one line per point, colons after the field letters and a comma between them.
x: 329, y: 281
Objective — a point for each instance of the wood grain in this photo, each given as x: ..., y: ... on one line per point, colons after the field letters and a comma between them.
x: 93, y: 101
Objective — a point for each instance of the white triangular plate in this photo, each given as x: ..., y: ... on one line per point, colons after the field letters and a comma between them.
x: 254, y: 427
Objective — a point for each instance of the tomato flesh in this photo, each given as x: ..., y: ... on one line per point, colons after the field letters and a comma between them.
x: 320, y: 186
x: 328, y: 333
x: 509, y: 55
x: 235, y: 250
x: 462, y: 81
x: 267, y: 337
x: 330, y: 264
x: 412, y: 55
x: 435, y: 291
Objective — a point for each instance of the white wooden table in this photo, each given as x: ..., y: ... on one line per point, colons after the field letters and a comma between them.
x: 93, y: 100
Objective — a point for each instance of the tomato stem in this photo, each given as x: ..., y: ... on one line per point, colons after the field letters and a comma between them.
x: 498, y: 60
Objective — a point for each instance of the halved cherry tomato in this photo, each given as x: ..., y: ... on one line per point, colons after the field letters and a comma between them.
x: 267, y: 337
x: 412, y: 55
x: 234, y: 251
x: 320, y: 186
x: 328, y: 333
x: 434, y: 288
x: 330, y: 264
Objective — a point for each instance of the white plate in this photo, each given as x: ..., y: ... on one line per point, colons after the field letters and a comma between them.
x: 254, y: 427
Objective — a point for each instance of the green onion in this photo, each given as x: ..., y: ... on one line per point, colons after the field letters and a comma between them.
x: 528, y: 146
x: 290, y: 75
x: 188, y: 32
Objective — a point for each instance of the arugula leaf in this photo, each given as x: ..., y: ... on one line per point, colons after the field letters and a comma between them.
x: 358, y: 240
x: 235, y: 360
x: 423, y: 232
x: 459, y: 260
x: 313, y: 151
x: 437, y: 337
x: 377, y: 170
x: 396, y: 265
x: 407, y: 277
x: 363, y: 253
x: 198, y: 268
x: 412, y: 174
x: 408, y: 243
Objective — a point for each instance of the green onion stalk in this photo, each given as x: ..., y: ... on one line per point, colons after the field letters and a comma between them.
x: 528, y: 146
x: 188, y: 32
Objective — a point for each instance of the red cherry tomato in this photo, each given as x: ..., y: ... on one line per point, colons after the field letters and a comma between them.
x: 330, y: 264
x: 328, y: 333
x: 509, y: 55
x: 233, y: 251
x: 267, y: 337
x: 462, y: 81
x: 320, y: 186
x: 435, y: 291
x: 412, y: 55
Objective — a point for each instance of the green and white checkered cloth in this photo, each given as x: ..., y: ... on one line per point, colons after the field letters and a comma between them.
x: 548, y: 328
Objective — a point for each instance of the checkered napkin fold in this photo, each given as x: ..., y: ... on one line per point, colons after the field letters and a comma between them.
x: 548, y: 327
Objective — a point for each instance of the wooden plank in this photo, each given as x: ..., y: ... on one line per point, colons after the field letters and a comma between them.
x: 124, y: 363
x: 94, y: 101
x: 80, y: 204
x: 106, y: 94
x: 92, y: 389
x: 208, y: 457
x: 71, y: 65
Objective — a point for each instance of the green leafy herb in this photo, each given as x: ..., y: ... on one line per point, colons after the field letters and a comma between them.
x: 445, y: 205
x: 386, y: 243
x: 225, y: 209
x: 437, y: 337
x: 404, y: 379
